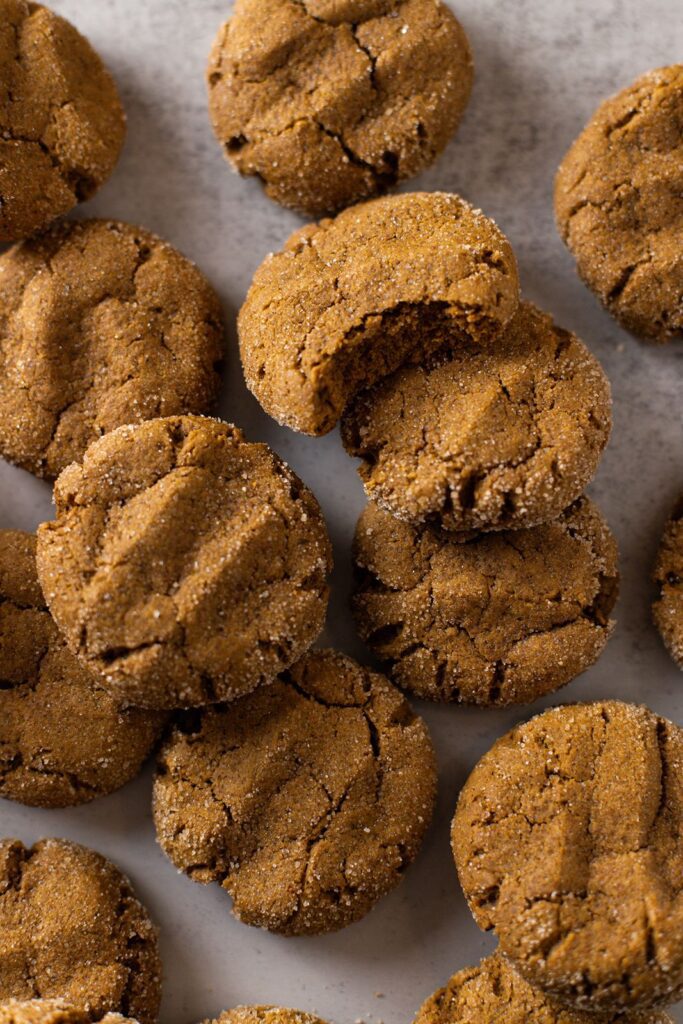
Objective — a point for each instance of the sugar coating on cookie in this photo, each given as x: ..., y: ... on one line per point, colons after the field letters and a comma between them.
x: 185, y: 565
x: 502, y: 619
x: 62, y: 125
x: 72, y: 930
x: 306, y: 800
x: 567, y: 842
x: 52, y: 1011
x: 263, y: 1015
x: 619, y: 204
x: 101, y: 324
x: 63, y: 739
x: 330, y: 102
x: 485, y: 436
x: 667, y: 610
x: 349, y: 300
x: 493, y: 992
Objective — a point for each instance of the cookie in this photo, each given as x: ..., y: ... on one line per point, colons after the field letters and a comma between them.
x: 328, y: 103
x: 567, y: 842
x: 185, y: 565
x: 494, y: 993
x: 63, y: 739
x: 51, y: 1011
x: 263, y: 1015
x: 306, y: 800
x: 485, y: 437
x: 101, y: 324
x: 667, y: 609
x: 619, y: 204
x: 71, y: 929
x: 349, y: 300
x: 62, y: 125
x: 502, y: 619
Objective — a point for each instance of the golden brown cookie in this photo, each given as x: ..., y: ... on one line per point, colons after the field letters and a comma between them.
x: 567, y: 840
x: 667, y: 610
x: 351, y: 299
x: 329, y: 102
x: 306, y: 800
x: 619, y: 204
x: 63, y: 739
x: 502, y: 619
x: 493, y: 992
x: 485, y: 437
x: 185, y: 565
x: 62, y: 125
x: 51, y: 1011
x: 263, y: 1015
x: 101, y: 323
x: 71, y: 929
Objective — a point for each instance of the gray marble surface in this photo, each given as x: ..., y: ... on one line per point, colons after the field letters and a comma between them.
x: 541, y: 67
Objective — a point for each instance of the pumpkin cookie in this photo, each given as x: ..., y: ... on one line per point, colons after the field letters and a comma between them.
x: 51, y: 1011
x: 503, y: 619
x: 71, y: 929
x: 263, y: 1015
x: 306, y: 800
x: 63, y: 739
x: 101, y: 324
x: 485, y: 437
x: 619, y: 204
x: 328, y: 103
x: 185, y: 565
x: 567, y: 843
x: 349, y: 300
x: 494, y: 993
x: 61, y: 121
x: 667, y: 610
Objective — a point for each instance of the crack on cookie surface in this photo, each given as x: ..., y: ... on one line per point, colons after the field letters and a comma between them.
x: 573, y: 819
x: 618, y: 204
x: 334, y: 106
x: 61, y: 118
x: 500, y: 619
x: 479, y: 436
x: 322, y: 783
x: 72, y: 929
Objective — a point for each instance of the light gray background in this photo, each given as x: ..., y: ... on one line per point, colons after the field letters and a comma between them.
x: 541, y: 68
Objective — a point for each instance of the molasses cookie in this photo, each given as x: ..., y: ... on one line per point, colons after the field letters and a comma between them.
x: 328, y: 103
x: 502, y: 619
x: 619, y: 204
x: 71, y: 929
x: 306, y: 800
x: 63, y: 739
x: 667, y: 610
x: 349, y: 300
x: 52, y: 1011
x: 567, y: 840
x: 494, y: 993
x: 263, y: 1015
x: 101, y: 324
x: 485, y: 437
x: 61, y: 121
x: 185, y: 565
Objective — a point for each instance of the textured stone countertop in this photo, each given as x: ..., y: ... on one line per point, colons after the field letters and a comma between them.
x: 541, y: 68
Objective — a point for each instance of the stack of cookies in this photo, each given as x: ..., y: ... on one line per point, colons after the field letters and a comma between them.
x: 174, y: 601
x: 483, y: 574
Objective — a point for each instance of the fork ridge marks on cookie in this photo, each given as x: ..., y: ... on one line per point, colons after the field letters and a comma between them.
x: 185, y: 565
